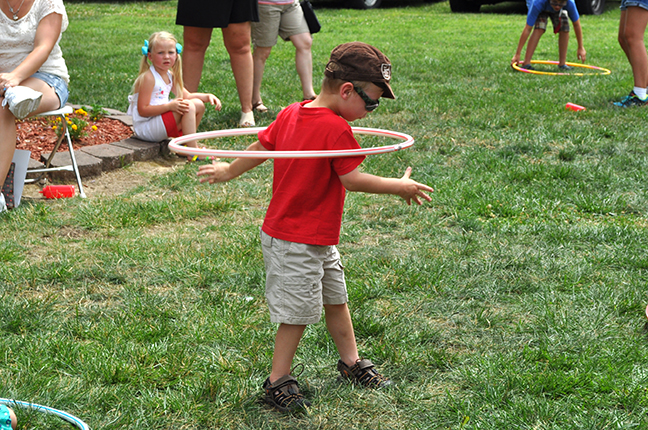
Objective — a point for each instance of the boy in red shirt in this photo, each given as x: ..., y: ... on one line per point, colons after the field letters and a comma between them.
x: 302, y: 224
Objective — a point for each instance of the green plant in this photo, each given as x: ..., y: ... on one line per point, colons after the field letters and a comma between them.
x: 96, y: 112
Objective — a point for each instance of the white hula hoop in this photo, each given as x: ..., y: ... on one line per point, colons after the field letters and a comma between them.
x: 61, y: 414
x: 176, y: 145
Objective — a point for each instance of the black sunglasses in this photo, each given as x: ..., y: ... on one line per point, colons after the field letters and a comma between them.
x: 370, y: 104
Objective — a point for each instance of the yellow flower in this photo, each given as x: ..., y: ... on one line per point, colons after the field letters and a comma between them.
x: 58, y: 118
x: 80, y: 112
x: 54, y: 127
x: 94, y: 128
x: 69, y: 122
x: 74, y: 127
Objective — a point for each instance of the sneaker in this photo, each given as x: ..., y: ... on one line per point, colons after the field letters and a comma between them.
x: 3, y: 205
x: 527, y: 67
x: 363, y: 373
x: 631, y: 100
x: 565, y: 68
x: 284, y: 394
x: 21, y: 100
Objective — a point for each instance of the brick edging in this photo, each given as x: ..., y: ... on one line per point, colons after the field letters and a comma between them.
x: 93, y: 160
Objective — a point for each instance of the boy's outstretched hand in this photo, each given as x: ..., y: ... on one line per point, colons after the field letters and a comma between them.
x: 412, y: 190
x: 215, y: 172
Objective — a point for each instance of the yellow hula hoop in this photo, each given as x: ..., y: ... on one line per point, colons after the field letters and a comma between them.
x: 582, y: 66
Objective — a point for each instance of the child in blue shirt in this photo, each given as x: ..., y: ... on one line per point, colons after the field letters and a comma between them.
x: 560, y: 12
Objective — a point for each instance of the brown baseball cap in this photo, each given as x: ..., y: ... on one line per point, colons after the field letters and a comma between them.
x: 357, y: 61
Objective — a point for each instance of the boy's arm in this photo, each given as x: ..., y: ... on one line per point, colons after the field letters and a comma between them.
x: 223, y: 172
x: 403, y: 187
x: 523, y: 39
x: 581, y: 54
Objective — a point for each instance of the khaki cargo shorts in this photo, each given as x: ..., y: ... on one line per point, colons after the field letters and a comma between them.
x: 301, y: 279
x: 283, y: 20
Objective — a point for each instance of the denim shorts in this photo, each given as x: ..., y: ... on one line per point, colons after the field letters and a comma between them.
x: 57, y: 83
x: 639, y: 3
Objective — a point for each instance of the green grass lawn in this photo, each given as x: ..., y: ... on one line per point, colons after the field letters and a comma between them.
x: 514, y: 300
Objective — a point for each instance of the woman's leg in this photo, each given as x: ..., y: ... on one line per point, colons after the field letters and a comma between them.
x: 236, y: 38
x: 49, y: 101
x: 196, y: 42
x: 634, y: 29
x: 260, y: 56
x: 304, y: 62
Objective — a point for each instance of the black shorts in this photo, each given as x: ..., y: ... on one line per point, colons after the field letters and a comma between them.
x: 216, y: 13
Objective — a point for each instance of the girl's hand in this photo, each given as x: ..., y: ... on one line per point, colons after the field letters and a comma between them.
x: 213, y: 100
x: 180, y: 106
x: 215, y: 172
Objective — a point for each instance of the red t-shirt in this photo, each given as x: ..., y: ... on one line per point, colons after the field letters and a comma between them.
x: 307, y: 195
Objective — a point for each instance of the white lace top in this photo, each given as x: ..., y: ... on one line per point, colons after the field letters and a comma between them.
x: 17, y: 38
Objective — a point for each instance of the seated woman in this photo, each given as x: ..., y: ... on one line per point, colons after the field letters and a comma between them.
x: 33, y: 74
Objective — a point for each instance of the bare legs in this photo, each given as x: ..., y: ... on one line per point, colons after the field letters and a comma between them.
x: 303, y: 64
x: 196, y: 42
x: 236, y: 38
x: 534, y: 39
x: 532, y: 45
x: 188, y: 122
x: 338, y: 322
x: 49, y: 101
x: 237, y: 42
x: 260, y: 57
x: 632, y: 27
x: 563, y: 42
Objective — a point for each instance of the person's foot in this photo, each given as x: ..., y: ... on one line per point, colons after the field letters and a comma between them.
x: 259, y: 107
x: 565, y: 68
x: 363, y: 373
x: 527, y: 67
x: 631, y: 100
x: 284, y: 394
x: 3, y: 204
x: 21, y: 100
x: 247, y: 119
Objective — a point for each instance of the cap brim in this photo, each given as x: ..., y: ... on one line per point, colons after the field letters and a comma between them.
x: 388, y: 93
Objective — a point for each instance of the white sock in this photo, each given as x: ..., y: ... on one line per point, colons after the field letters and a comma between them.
x: 3, y: 205
x: 640, y: 92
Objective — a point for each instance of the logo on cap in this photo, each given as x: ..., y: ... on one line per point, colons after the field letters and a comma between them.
x: 385, y: 69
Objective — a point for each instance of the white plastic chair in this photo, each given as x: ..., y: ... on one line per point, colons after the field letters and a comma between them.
x: 65, y: 110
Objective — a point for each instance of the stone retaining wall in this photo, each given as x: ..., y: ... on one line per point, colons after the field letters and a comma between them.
x: 93, y: 160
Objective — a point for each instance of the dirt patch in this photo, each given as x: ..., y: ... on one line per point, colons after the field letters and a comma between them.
x: 117, y: 181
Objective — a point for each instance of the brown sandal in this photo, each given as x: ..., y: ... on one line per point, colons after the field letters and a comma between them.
x: 259, y: 107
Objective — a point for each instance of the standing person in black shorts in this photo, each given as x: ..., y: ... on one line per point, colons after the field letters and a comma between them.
x: 233, y: 17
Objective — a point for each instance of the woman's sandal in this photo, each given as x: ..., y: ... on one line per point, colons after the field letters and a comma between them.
x: 259, y: 107
x: 247, y: 119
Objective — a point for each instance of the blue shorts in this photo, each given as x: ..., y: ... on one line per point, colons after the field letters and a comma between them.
x: 638, y: 3
x: 5, y: 418
x: 57, y: 83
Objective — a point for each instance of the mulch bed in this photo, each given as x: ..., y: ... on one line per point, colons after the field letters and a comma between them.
x: 36, y: 135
